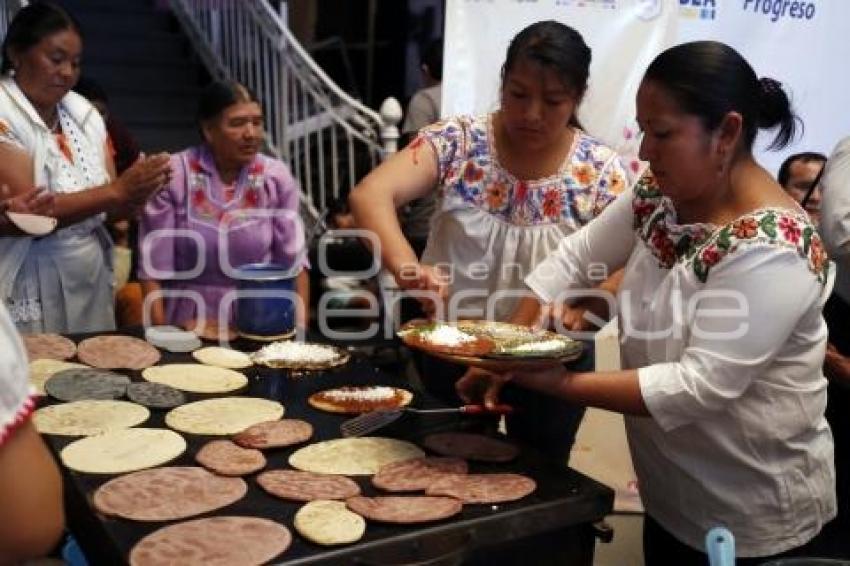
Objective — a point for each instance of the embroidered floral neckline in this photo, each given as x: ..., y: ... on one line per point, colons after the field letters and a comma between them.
x: 702, y: 246
x: 206, y: 208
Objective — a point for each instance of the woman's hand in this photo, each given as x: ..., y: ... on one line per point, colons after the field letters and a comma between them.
x: 34, y: 201
x: 480, y: 386
x: 143, y: 178
x: 836, y: 366
x: 434, y: 285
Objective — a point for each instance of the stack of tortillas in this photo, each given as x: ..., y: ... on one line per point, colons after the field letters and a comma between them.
x: 121, y: 451
x: 329, y: 522
x: 196, y: 378
x: 353, y: 456
x: 215, y: 541
x: 223, y: 357
x: 48, y: 346
x: 117, y: 352
x: 84, y: 418
x: 166, y: 494
x: 43, y: 369
x: 227, y: 415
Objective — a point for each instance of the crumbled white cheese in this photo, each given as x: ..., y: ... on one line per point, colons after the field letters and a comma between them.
x: 447, y: 336
x: 376, y: 393
x: 297, y: 352
x: 544, y: 346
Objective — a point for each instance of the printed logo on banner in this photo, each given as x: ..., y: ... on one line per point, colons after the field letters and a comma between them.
x: 698, y: 9
x: 776, y: 10
x: 606, y: 4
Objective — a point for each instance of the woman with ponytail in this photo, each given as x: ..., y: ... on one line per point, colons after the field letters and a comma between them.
x: 720, y: 311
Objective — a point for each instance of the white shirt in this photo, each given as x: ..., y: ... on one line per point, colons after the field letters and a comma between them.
x: 16, y: 405
x: 835, y: 214
x: 728, y: 340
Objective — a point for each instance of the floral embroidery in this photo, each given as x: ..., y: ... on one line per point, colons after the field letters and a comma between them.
x: 235, y: 208
x: 470, y: 175
x: 702, y: 246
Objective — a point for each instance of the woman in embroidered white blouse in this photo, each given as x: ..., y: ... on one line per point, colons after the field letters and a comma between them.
x: 55, y: 140
x: 720, y: 314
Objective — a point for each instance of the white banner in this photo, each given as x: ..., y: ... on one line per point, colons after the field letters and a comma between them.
x: 801, y: 44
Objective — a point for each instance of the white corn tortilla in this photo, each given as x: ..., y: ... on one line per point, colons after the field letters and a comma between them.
x: 329, y: 522
x: 84, y: 418
x: 121, y: 451
x: 227, y: 415
x: 196, y: 378
x: 223, y: 357
x: 353, y: 456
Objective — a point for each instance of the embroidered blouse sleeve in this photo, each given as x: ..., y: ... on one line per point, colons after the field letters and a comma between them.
x: 8, y: 135
x: 607, y: 240
x: 446, y: 138
x: 612, y: 182
x: 288, y: 244
x: 742, y: 321
x: 16, y: 405
x: 157, y: 247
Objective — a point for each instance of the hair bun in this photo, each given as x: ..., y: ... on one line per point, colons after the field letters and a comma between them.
x: 770, y: 87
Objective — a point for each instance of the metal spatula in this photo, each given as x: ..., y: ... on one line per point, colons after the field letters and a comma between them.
x: 372, y: 421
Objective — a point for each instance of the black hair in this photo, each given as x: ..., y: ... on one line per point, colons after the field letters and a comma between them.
x: 555, y: 46
x: 31, y: 24
x: 219, y: 95
x: 432, y: 57
x: 784, y: 174
x: 91, y: 89
x: 709, y: 79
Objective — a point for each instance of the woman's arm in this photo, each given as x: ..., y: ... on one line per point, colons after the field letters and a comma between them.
x: 409, y: 174
x: 141, y: 180
x: 31, y: 515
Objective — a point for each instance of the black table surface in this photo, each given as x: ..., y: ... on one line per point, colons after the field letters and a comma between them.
x: 563, y: 497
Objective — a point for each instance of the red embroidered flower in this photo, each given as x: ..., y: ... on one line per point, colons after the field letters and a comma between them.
x: 521, y: 191
x: 642, y: 208
x: 195, y: 165
x: 663, y: 245
x: 552, y: 203
x: 745, y: 228
x: 251, y: 198
x: 710, y: 256
x: 198, y: 197
x: 256, y: 168
x: 497, y: 193
x: 472, y: 173
x: 790, y: 229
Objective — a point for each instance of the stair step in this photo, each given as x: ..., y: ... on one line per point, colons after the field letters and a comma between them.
x: 132, y: 47
x: 137, y: 23
x: 161, y: 138
x: 166, y: 106
x: 76, y: 6
x: 144, y: 78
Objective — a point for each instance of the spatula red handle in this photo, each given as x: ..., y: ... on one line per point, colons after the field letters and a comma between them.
x: 482, y: 410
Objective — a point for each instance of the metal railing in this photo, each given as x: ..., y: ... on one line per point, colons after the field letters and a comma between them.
x: 329, y: 139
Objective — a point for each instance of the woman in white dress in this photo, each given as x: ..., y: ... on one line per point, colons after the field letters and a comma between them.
x: 721, y: 327
x: 54, y: 139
